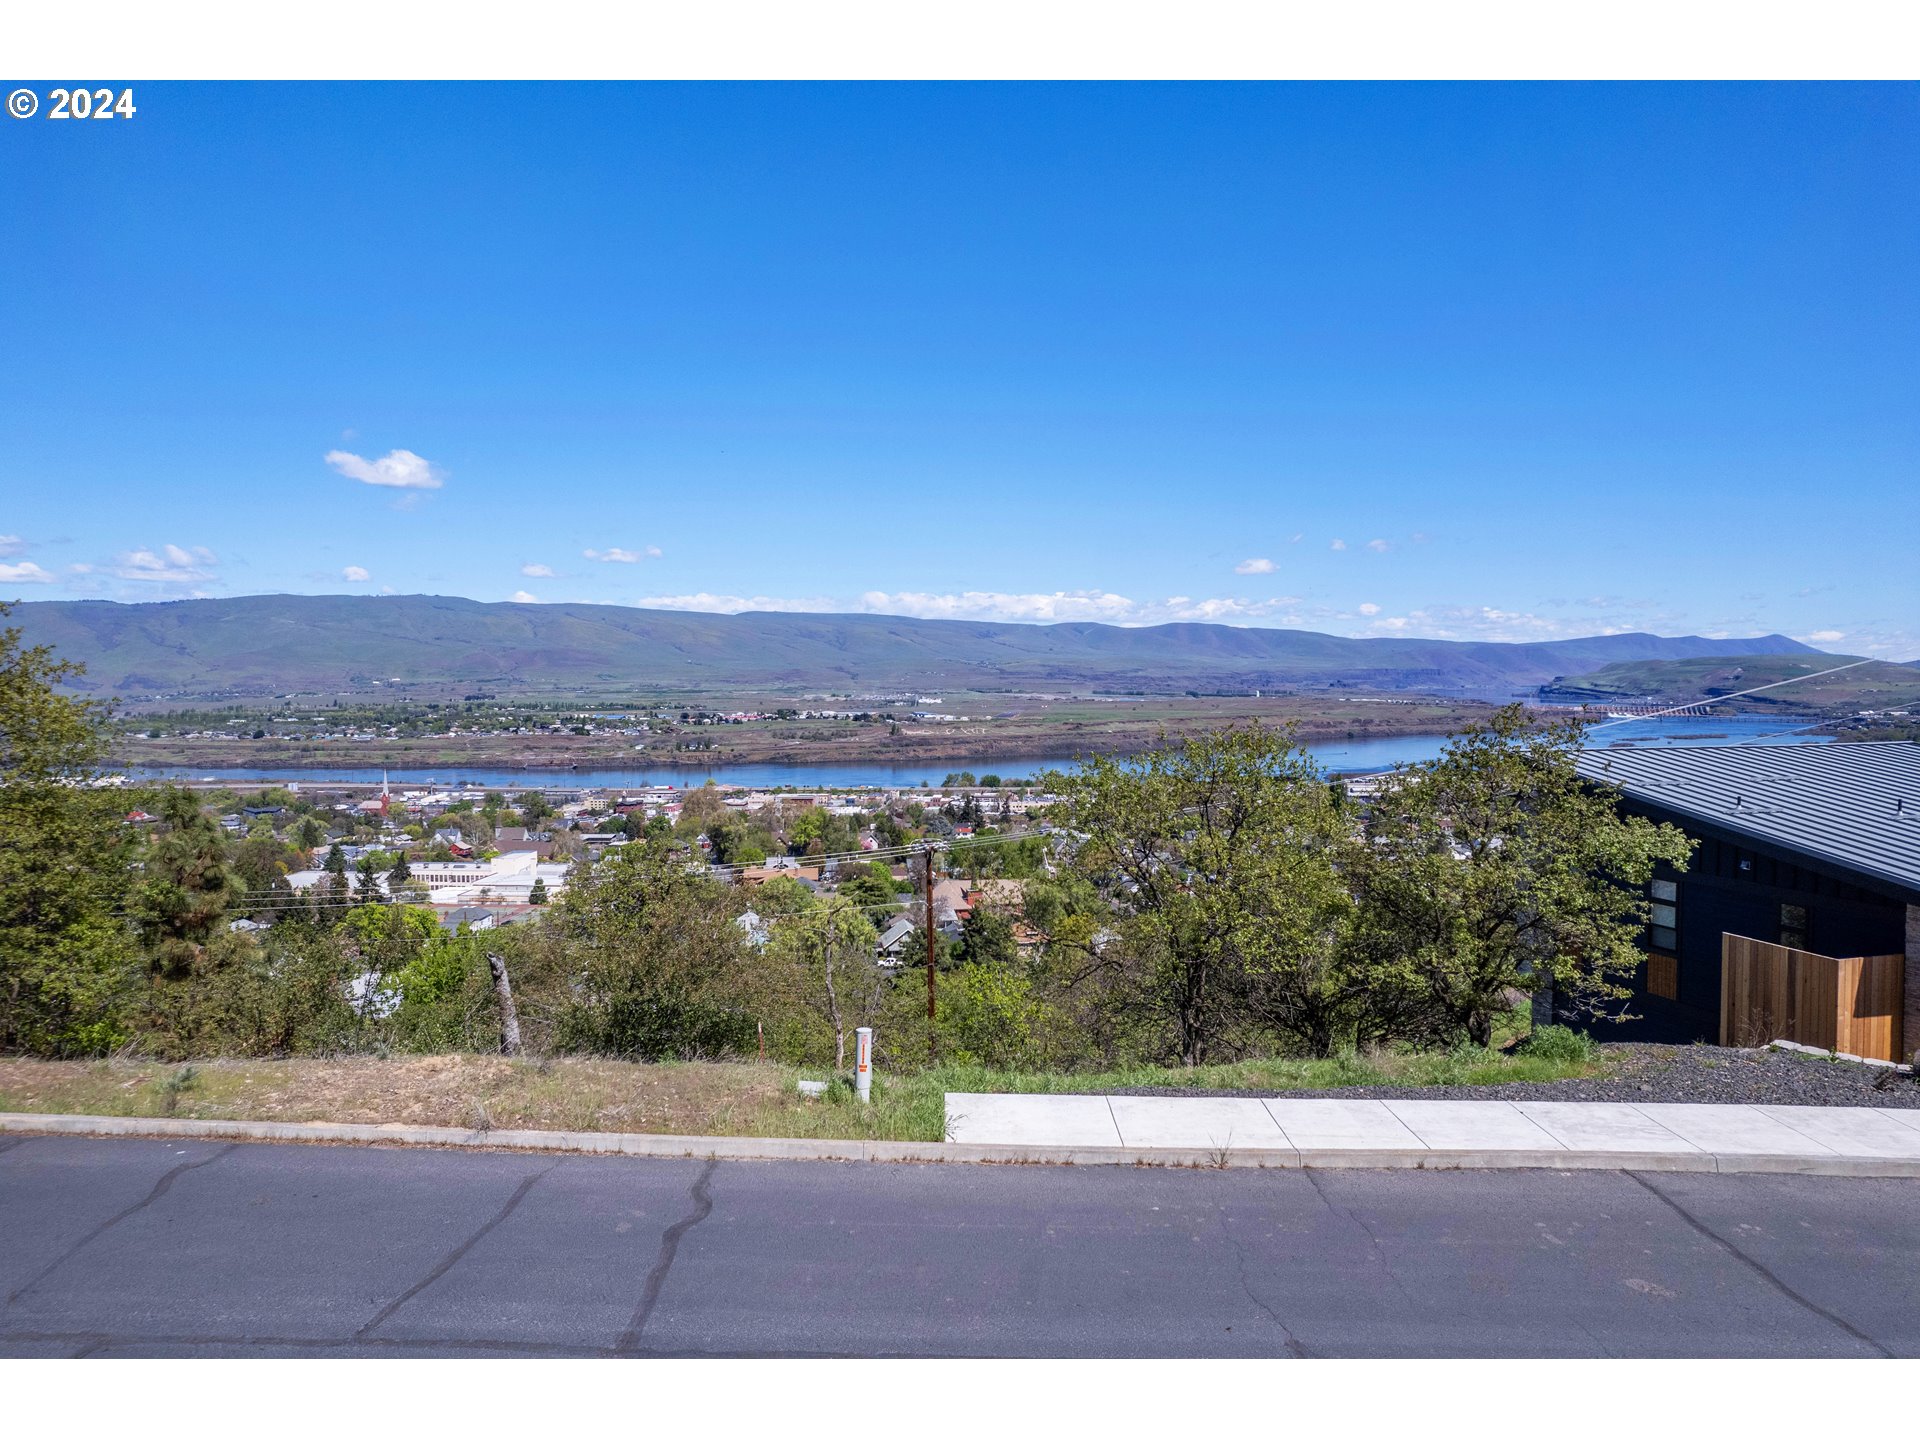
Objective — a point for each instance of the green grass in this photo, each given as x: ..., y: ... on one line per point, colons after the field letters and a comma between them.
x: 911, y: 1107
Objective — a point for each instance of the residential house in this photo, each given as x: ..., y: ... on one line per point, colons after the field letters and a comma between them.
x: 1812, y: 848
x: 893, y: 942
x: 519, y: 838
x: 755, y: 875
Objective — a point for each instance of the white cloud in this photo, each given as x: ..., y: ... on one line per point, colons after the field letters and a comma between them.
x: 1296, y: 538
x: 521, y: 597
x: 1379, y: 547
x: 11, y: 545
x: 1488, y: 622
x: 538, y: 572
x: 1254, y: 567
x: 1338, y: 545
x: 713, y: 604
x: 1824, y: 637
x: 172, y: 565
x: 614, y: 555
x: 1219, y: 610
x: 1369, y: 609
x: 397, y: 469
x: 25, y: 573
x: 1880, y: 638
x: 1050, y: 607
x: 355, y: 572
x: 995, y: 605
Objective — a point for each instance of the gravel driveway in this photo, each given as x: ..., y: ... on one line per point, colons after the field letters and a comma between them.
x: 1656, y: 1073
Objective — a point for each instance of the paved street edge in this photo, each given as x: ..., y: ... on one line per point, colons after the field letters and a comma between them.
x: 728, y: 1147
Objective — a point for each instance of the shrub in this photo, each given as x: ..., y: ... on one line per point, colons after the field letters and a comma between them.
x: 632, y: 1027
x: 990, y: 1015
x: 1557, y: 1042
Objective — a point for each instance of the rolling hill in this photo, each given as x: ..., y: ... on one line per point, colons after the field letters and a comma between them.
x: 275, y: 644
x: 1872, y: 685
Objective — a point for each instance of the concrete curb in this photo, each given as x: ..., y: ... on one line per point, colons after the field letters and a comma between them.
x: 729, y: 1147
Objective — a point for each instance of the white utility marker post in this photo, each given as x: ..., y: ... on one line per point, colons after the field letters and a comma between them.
x: 863, y: 1064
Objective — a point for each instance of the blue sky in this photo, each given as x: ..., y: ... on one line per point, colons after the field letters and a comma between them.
x: 1506, y: 362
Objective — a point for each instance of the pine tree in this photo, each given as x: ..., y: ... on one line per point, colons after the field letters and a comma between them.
x: 188, y: 887
x: 401, y: 872
x: 538, y: 895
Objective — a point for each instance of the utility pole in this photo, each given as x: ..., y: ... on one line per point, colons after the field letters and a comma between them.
x: 933, y: 1034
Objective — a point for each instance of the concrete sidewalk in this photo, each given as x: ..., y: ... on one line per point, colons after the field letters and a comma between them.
x: 1452, y: 1134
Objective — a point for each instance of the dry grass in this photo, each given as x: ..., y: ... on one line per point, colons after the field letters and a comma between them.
x: 465, y: 1091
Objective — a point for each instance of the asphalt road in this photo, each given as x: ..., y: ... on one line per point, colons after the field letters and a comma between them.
x: 136, y: 1247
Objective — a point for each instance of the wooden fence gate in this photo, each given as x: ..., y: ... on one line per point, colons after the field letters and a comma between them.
x: 1770, y: 992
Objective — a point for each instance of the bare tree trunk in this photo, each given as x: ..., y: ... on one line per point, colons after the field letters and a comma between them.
x: 509, y: 1017
x: 1192, y: 1036
x: 1480, y: 1027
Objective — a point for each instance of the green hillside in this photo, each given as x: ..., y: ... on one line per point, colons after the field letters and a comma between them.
x: 1874, y: 685
x: 275, y: 644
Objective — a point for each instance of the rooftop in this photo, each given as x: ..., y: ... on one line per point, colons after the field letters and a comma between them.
x: 1854, y: 805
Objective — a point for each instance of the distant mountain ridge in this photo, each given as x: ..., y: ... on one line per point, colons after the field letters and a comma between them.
x: 276, y: 644
x: 1757, y: 682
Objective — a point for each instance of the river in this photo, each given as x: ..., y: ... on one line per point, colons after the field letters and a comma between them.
x: 1345, y: 757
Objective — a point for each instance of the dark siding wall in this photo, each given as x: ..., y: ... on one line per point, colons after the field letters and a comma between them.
x: 1718, y: 893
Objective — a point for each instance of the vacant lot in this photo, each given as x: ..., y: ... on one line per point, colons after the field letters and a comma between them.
x: 478, y: 1091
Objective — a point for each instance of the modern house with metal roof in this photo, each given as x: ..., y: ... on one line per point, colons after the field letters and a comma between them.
x: 1802, y: 847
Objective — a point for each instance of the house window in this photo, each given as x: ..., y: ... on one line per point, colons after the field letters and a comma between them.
x: 1793, y: 926
x: 1663, y: 920
x: 1663, y: 935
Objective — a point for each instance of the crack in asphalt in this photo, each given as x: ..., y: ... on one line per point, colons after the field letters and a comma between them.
x: 6, y: 1145
x: 702, y: 1196
x: 160, y: 1187
x: 1756, y: 1266
x: 1353, y: 1217
x: 1294, y: 1348
x: 455, y: 1255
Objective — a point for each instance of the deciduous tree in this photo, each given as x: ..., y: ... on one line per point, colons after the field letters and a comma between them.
x: 830, y: 946
x: 1220, y: 863
x: 66, y: 958
x: 1496, y: 868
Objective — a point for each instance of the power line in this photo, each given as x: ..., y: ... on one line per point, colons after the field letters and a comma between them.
x: 1715, y: 700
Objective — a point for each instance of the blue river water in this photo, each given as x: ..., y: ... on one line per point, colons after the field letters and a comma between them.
x: 1343, y: 757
